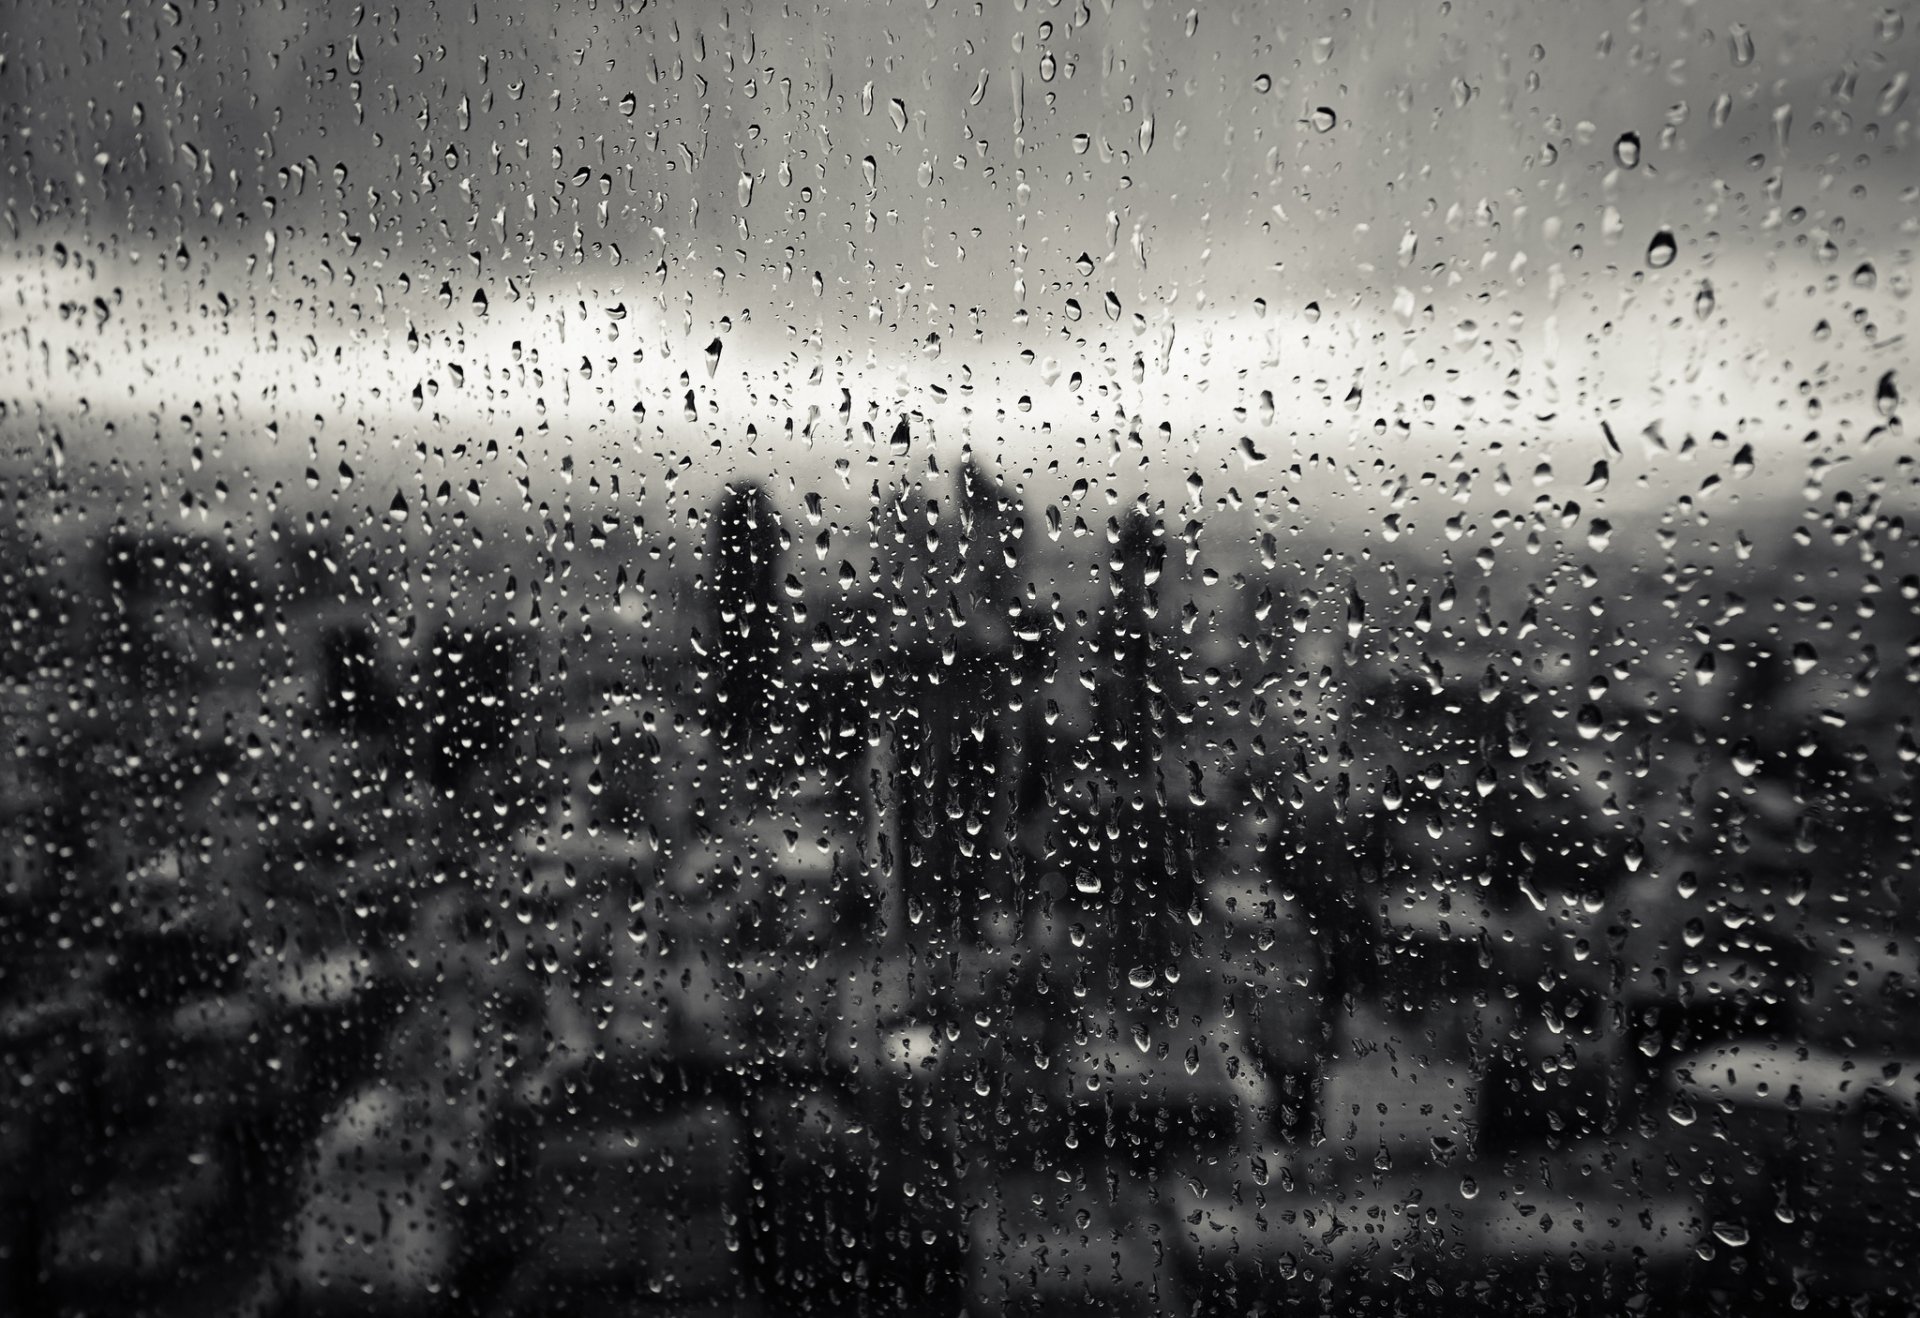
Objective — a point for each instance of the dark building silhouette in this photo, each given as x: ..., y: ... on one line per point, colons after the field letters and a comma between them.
x: 477, y: 685
x: 745, y: 649
x: 953, y: 732
x: 1143, y: 836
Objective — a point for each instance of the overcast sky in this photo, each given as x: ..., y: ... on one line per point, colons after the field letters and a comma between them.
x: 1408, y: 226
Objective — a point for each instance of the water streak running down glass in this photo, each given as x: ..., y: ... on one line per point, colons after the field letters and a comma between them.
x: 1026, y: 658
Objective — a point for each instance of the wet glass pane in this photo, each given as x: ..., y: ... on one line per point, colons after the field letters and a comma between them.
x: 1047, y: 657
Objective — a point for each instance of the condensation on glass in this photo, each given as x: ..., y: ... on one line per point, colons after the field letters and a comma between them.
x: 1062, y: 656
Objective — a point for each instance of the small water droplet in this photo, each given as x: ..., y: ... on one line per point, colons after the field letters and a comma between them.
x: 1662, y: 250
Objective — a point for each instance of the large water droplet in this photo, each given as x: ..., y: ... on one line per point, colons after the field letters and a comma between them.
x: 1740, y: 45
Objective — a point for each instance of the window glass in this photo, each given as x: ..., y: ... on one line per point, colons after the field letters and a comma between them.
x: 1057, y: 656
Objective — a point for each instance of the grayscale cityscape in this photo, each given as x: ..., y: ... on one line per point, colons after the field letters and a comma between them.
x: 1041, y: 657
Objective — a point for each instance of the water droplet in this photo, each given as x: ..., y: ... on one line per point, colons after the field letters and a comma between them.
x: 1886, y: 396
x: 1662, y: 250
x: 1740, y: 45
x: 1323, y: 119
x: 1626, y: 150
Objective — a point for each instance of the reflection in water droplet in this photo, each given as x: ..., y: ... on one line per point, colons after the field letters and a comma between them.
x: 1662, y: 250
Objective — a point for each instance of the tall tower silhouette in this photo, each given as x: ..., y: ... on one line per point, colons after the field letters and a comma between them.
x: 1149, y: 862
x: 744, y: 549
x: 953, y: 658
